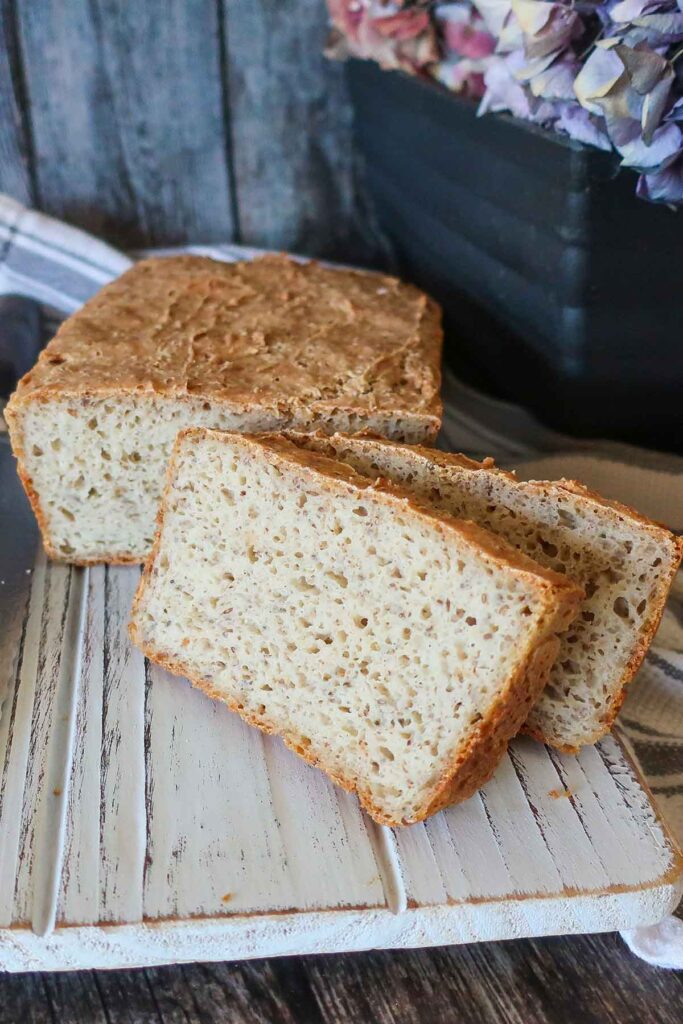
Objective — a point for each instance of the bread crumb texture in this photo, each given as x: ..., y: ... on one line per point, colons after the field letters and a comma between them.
x: 382, y: 643
x: 186, y: 340
x: 624, y: 562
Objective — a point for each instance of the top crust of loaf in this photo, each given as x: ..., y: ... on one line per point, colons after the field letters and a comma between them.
x: 268, y: 333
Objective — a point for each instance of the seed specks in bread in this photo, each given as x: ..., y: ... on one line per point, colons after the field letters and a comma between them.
x: 397, y: 649
x: 187, y: 340
x: 623, y: 561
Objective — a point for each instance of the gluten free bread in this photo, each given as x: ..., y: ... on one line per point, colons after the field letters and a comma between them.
x: 395, y: 648
x: 623, y: 561
x: 186, y: 340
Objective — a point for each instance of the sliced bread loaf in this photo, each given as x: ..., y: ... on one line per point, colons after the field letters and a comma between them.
x: 187, y: 340
x: 624, y: 562
x: 395, y: 648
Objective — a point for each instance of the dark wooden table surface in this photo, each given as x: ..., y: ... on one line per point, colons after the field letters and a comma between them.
x: 579, y: 980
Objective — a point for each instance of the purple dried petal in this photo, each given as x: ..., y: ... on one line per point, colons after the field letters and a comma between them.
x: 599, y: 76
x: 662, y: 151
x: 645, y: 67
x: 503, y: 92
x: 583, y: 127
x: 557, y: 81
x: 544, y: 112
x: 655, y: 29
x: 663, y: 186
x: 640, y: 94
x: 534, y: 67
x: 629, y: 10
x: 655, y: 103
x: 676, y: 112
x: 646, y: 93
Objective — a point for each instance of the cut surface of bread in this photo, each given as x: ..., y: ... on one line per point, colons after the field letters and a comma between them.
x: 396, y: 649
x: 187, y: 340
x: 624, y: 562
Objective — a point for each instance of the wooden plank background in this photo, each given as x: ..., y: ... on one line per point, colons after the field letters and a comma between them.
x: 163, y: 122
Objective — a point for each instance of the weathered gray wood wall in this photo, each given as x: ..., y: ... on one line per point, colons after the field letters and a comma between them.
x: 154, y: 122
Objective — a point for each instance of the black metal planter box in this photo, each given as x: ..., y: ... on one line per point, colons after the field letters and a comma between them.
x: 560, y: 289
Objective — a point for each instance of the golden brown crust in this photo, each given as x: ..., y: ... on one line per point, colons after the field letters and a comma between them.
x: 330, y: 444
x: 488, y: 740
x: 270, y: 333
x: 467, y: 773
x: 476, y: 765
x: 656, y: 606
x: 627, y: 511
x: 620, y: 511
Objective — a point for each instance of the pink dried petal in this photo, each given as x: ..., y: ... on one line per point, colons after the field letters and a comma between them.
x: 403, y: 25
x: 467, y: 41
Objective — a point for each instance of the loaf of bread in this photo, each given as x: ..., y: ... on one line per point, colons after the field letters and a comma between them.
x: 623, y: 561
x: 186, y: 340
x: 395, y: 648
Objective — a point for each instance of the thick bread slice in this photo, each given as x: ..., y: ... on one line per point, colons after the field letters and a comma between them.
x: 625, y: 563
x: 395, y: 648
x: 185, y: 341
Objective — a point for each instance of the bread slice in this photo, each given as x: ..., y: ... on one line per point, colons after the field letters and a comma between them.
x: 395, y: 648
x: 624, y: 562
x: 187, y: 340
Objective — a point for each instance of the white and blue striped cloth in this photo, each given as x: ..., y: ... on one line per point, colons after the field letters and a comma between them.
x: 61, y: 267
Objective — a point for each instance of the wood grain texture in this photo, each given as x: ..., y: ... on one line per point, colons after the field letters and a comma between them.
x: 195, y: 836
x: 160, y: 124
x: 122, y: 780
x: 16, y: 165
x: 296, y: 180
x: 80, y: 890
x: 215, y: 855
x: 593, y: 980
x: 127, y: 119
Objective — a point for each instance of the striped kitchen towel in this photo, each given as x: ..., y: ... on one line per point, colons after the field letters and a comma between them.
x: 61, y: 267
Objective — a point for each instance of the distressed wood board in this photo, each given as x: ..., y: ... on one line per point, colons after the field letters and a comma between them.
x: 142, y: 823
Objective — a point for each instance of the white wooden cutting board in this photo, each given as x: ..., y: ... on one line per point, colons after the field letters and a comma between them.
x: 142, y: 823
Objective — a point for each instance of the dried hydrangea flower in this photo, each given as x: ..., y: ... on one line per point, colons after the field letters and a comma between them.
x: 607, y: 74
x: 467, y: 46
x: 663, y: 186
x: 582, y: 126
x: 393, y: 35
x: 625, y: 84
